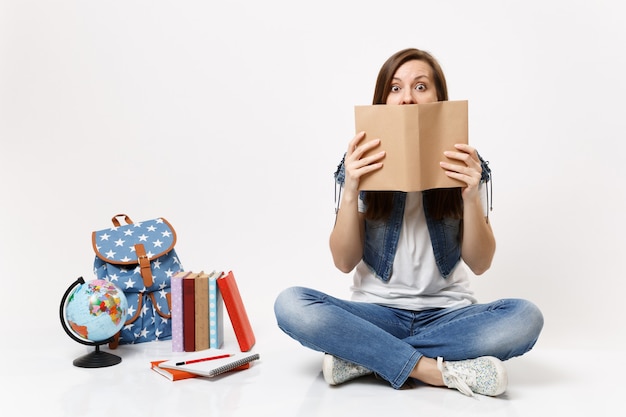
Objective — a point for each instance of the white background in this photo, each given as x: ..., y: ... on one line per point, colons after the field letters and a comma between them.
x: 229, y: 119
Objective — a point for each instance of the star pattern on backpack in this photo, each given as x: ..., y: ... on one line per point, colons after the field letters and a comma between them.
x: 117, y: 244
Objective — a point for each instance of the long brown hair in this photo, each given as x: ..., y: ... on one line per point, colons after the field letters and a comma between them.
x: 443, y: 202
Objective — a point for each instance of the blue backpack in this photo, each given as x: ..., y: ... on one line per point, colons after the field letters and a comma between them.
x: 140, y: 259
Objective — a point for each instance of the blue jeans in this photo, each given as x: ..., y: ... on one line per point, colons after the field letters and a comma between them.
x: 390, y: 341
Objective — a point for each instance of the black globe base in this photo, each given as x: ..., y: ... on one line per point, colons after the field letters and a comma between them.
x: 97, y: 359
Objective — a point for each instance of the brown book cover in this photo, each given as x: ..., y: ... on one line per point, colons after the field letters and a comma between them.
x: 414, y: 137
x: 236, y: 311
x: 201, y: 311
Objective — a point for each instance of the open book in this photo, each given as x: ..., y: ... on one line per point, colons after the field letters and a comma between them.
x: 210, y: 362
x: 414, y: 137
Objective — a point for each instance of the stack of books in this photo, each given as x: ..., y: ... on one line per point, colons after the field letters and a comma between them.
x: 198, y: 300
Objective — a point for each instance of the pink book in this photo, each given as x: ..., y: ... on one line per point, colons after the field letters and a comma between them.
x: 177, y: 311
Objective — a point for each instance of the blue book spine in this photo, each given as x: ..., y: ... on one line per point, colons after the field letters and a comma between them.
x: 216, y: 308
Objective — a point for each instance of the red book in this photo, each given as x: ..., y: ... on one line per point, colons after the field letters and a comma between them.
x: 189, y: 313
x: 171, y: 374
x: 236, y: 311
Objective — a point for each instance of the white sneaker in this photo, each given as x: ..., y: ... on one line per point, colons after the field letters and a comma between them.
x: 337, y: 371
x: 485, y: 375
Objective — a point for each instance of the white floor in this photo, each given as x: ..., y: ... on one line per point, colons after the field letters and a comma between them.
x: 287, y: 381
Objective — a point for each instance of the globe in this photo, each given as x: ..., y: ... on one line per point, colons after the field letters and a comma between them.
x: 92, y: 313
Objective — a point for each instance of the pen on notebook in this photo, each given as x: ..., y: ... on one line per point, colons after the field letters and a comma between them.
x: 203, y: 359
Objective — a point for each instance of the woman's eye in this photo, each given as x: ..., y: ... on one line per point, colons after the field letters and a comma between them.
x: 420, y: 87
x: 395, y: 88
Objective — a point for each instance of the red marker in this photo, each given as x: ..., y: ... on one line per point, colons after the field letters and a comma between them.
x: 203, y: 359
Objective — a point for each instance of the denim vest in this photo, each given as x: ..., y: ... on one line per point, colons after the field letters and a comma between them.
x: 381, y: 237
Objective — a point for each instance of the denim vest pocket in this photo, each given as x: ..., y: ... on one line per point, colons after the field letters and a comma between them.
x: 381, y: 239
x: 379, y: 263
x: 444, y: 235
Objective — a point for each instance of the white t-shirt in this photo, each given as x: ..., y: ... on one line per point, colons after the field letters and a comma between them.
x: 415, y: 283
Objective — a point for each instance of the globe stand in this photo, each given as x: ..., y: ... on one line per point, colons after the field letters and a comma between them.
x: 97, y: 358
